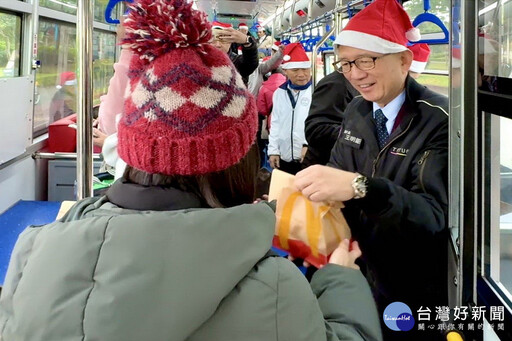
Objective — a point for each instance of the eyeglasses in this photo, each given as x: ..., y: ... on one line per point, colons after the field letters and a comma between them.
x: 363, y: 64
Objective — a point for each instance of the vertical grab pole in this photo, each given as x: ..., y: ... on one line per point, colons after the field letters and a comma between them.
x: 84, y: 163
x: 315, y: 54
x: 338, y: 17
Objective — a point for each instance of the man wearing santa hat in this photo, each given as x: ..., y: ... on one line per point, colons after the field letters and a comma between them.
x: 224, y: 35
x: 287, y: 143
x: 64, y: 100
x: 420, y: 52
x: 389, y: 165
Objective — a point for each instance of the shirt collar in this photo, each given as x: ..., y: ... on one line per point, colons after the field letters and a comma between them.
x: 392, y: 108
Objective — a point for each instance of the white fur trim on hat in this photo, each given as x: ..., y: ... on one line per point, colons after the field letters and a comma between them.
x: 418, y: 67
x: 296, y: 65
x: 368, y: 42
x: 287, y: 58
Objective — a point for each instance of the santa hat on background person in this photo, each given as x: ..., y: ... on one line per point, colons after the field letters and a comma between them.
x: 421, y: 53
x: 67, y: 78
x: 187, y: 110
x: 294, y: 57
x: 261, y: 28
x: 220, y: 25
x: 276, y: 45
x: 243, y: 26
x: 382, y: 27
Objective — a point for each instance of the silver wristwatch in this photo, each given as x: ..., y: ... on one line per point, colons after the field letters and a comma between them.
x: 360, y: 186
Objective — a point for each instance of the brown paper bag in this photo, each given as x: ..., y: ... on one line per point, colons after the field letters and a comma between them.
x: 306, y: 229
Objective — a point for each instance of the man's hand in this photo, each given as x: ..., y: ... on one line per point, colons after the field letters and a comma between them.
x: 342, y: 256
x: 231, y: 35
x: 322, y: 183
x: 274, y: 161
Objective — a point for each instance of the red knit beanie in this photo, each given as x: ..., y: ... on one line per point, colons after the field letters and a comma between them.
x: 187, y: 110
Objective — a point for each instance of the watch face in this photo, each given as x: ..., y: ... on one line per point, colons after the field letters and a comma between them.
x: 359, y: 185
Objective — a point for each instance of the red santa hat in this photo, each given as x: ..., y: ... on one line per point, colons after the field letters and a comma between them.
x: 382, y: 27
x: 243, y: 26
x: 421, y: 53
x: 67, y: 78
x: 261, y: 28
x: 294, y: 57
x: 220, y: 25
x: 276, y: 45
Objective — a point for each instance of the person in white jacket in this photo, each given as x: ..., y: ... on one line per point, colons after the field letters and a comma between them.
x: 287, y: 142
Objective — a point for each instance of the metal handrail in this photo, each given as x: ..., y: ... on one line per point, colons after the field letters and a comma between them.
x: 314, y: 55
x: 326, y: 15
x: 61, y: 156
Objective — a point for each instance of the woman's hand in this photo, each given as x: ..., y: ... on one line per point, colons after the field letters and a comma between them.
x: 342, y: 256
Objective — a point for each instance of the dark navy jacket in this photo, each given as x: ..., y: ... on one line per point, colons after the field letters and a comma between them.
x: 401, y: 224
x: 330, y: 98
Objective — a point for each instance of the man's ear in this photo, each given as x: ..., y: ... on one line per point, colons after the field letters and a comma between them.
x: 406, y: 57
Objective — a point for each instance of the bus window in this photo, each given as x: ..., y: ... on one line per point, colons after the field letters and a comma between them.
x: 498, y: 243
x: 435, y: 76
x: 99, y: 10
x: 66, y: 6
x: 56, y: 78
x: 104, y: 49
x: 10, y: 40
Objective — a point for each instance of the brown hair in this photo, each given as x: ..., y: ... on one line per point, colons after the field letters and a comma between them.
x: 233, y: 186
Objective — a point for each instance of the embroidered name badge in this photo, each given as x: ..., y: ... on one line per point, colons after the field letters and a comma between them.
x: 351, y: 140
x: 399, y: 151
x: 304, y: 101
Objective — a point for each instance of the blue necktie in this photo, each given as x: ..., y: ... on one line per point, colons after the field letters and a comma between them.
x: 382, y: 131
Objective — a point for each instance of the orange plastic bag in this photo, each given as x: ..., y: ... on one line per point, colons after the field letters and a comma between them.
x: 306, y: 229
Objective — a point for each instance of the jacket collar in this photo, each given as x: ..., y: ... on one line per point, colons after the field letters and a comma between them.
x: 151, y: 198
x: 366, y: 126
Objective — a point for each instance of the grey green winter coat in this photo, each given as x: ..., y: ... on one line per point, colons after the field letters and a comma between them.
x: 110, y: 274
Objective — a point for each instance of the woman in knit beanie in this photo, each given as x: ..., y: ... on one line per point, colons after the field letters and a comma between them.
x: 176, y: 250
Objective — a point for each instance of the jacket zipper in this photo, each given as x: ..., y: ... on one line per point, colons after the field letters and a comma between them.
x: 374, y: 169
x: 293, y: 118
x: 422, y: 162
x: 291, y: 133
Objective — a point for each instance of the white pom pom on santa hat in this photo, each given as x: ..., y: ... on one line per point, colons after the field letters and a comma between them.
x: 413, y: 34
x: 382, y: 27
x: 286, y: 58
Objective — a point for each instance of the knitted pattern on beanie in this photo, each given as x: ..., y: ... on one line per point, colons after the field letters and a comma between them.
x: 187, y: 110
